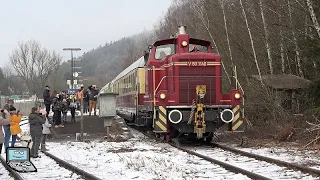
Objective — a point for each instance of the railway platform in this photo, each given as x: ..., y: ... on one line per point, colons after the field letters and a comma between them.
x: 93, y: 126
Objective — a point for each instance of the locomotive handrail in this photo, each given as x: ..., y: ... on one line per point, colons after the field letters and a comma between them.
x: 238, y: 84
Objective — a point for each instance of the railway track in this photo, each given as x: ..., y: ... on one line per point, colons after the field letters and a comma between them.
x: 50, y: 167
x: 252, y: 165
x: 270, y: 160
x: 226, y: 166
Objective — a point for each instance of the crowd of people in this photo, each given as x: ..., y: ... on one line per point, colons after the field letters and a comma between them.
x: 40, y: 124
x: 61, y: 103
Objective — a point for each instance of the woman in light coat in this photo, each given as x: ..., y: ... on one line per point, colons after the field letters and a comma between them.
x: 45, y: 131
x: 3, y: 122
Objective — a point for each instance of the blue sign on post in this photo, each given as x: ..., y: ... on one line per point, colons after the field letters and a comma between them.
x: 72, y: 91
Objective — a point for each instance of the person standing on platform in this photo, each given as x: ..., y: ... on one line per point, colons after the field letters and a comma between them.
x: 93, y: 97
x: 47, y: 99
x: 73, y: 107
x: 65, y: 108
x: 57, y: 107
x: 86, y: 100
x: 79, y: 98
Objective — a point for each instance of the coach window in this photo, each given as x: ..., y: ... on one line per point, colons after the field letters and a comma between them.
x: 164, y: 50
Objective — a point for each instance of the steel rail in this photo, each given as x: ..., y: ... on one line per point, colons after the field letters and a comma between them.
x: 71, y: 167
x: 13, y: 173
x: 270, y: 160
x: 224, y: 165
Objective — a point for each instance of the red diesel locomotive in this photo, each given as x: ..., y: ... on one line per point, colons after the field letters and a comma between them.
x: 175, y: 89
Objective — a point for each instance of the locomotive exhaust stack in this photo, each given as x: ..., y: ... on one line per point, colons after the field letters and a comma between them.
x: 182, y: 30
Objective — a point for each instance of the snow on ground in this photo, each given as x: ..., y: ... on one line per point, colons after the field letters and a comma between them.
x: 250, y: 164
x: 78, y: 113
x: 294, y: 155
x: 136, y: 159
x: 47, y: 169
x: 4, y: 173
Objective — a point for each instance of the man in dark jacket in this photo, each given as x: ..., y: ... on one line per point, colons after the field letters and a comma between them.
x: 86, y: 100
x: 36, y: 121
x: 93, y: 97
x: 47, y: 99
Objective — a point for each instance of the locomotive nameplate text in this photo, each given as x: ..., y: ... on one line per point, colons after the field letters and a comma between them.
x: 197, y: 63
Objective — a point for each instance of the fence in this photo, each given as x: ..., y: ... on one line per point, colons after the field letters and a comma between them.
x: 23, y: 105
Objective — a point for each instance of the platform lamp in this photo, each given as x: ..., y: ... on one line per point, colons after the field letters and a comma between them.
x: 72, y: 49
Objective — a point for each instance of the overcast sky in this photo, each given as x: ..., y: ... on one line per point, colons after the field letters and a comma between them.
x: 74, y: 23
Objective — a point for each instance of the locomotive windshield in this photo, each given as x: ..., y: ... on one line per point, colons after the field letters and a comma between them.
x: 164, y: 50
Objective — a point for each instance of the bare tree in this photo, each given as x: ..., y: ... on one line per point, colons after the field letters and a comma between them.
x: 298, y: 58
x: 251, y: 39
x: 313, y: 17
x: 226, y: 29
x: 266, y: 33
x: 34, y: 64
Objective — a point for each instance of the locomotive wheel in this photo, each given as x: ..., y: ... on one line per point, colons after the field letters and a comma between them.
x: 176, y: 142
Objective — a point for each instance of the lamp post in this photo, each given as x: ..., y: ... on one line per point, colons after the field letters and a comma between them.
x: 81, y: 100
x: 72, y: 49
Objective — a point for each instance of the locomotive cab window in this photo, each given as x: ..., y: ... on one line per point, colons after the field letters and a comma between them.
x: 199, y: 48
x: 164, y: 50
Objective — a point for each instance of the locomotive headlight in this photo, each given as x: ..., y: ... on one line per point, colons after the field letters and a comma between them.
x: 237, y: 95
x: 184, y: 43
x: 162, y: 96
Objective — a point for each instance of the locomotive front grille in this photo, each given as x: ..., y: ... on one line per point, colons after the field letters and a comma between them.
x: 190, y: 77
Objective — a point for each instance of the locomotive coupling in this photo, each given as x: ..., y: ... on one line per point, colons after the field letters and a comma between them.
x: 200, y: 123
x: 227, y: 115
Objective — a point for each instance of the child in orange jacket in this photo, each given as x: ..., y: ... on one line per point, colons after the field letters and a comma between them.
x: 15, y: 127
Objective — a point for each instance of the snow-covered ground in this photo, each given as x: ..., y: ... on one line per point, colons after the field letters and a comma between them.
x: 4, y: 173
x: 48, y: 169
x: 141, y: 158
x: 78, y: 113
x: 138, y: 158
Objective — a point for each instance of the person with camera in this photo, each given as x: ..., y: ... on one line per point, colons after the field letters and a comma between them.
x: 4, y: 120
x: 36, y: 120
x: 15, y: 124
x: 6, y: 128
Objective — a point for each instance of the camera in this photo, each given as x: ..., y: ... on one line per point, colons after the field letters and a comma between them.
x: 40, y: 114
x: 2, y: 110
